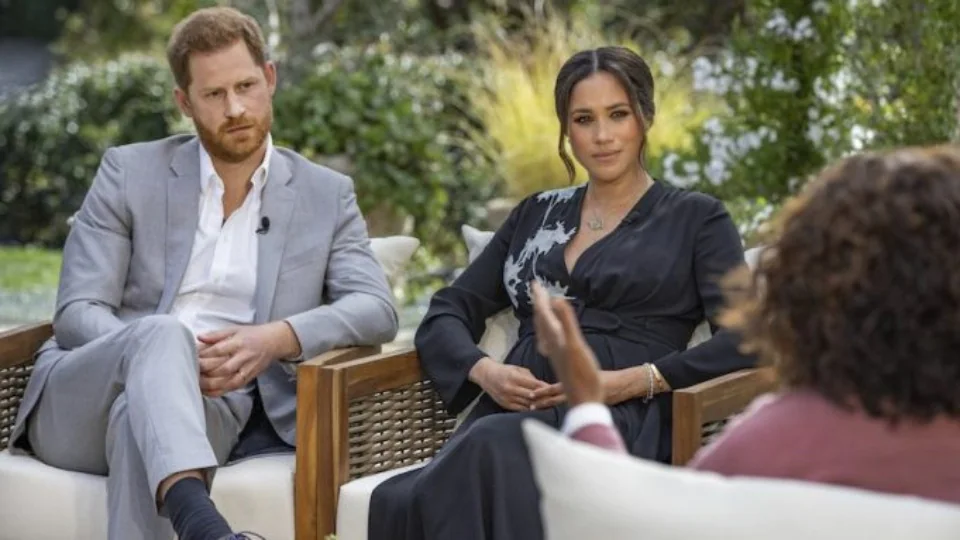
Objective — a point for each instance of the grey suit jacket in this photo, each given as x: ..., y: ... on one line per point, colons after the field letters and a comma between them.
x: 130, y: 243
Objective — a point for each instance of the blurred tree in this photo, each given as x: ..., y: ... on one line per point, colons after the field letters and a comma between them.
x: 805, y: 83
x: 706, y: 24
x: 89, y: 29
x: 105, y: 28
x: 35, y: 19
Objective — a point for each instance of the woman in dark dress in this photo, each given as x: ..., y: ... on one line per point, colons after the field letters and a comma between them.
x: 640, y: 261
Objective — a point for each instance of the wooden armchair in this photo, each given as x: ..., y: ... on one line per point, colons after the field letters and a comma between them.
x: 17, y: 349
x: 378, y: 413
x: 360, y: 413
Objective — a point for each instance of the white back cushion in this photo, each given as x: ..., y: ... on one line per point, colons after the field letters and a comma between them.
x: 394, y: 253
x: 588, y: 492
x: 501, y: 332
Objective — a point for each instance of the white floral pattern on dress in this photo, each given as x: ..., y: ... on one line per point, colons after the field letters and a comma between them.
x: 546, y: 237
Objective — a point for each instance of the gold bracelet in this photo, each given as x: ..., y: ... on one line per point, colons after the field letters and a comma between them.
x: 651, y: 383
x: 662, y: 385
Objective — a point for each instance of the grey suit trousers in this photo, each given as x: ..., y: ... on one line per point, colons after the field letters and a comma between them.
x: 128, y: 405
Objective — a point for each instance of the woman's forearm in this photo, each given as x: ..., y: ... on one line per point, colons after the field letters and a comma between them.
x: 632, y: 383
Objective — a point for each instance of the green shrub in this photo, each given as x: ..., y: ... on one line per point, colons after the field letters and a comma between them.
x: 52, y: 138
x: 776, y: 127
x: 401, y: 121
x: 807, y: 82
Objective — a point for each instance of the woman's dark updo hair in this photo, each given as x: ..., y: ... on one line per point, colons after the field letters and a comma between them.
x: 624, y: 64
x: 857, y: 296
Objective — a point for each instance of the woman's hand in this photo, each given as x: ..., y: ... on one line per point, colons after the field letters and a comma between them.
x: 512, y: 387
x: 616, y: 386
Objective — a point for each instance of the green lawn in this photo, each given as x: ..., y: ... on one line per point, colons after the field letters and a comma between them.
x: 24, y: 269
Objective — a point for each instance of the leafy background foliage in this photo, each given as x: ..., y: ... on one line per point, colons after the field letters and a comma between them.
x: 435, y: 108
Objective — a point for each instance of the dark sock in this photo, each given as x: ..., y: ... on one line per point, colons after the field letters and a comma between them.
x: 192, y: 513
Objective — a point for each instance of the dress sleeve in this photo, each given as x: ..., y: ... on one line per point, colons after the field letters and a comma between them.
x: 447, y: 338
x: 717, y: 250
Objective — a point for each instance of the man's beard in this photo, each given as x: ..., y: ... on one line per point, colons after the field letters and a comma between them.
x: 226, y: 147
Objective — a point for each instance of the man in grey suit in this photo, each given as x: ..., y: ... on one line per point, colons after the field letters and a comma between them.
x: 198, y: 271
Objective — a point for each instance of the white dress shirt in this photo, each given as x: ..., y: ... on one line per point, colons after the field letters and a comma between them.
x: 586, y: 414
x: 218, y: 286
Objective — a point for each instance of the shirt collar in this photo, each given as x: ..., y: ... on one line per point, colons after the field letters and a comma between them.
x: 208, y: 174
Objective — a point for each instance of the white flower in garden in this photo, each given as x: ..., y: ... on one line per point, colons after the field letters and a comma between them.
x: 719, y: 79
x: 751, y: 64
x: 780, y: 83
x: 778, y: 23
x: 832, y: 92
x: 820, y: 6
x: 670, y: 175
x: 683, y: 181
x: 727, y: 150
x: 713, y: 126
x: 815, y: 133
x: 667, y: 69
x: 717, y: 172
x: 702, y: 69
x: 703, y: 75
x: 861, y: 136
x: 669, y: 161
x: 803, y: 29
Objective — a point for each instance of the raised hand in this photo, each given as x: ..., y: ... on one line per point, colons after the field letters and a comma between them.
x: 560, y: 339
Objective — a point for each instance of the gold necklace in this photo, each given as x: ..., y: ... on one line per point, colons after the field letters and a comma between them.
x: 596, y: 223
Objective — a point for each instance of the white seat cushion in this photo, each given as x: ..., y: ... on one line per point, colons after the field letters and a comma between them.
x: 257, y: 495
x: 353, y: 507
x: 39, y: 502
x: 588, y: 492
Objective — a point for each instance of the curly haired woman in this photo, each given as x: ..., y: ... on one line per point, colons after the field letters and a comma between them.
x: 857, y: 304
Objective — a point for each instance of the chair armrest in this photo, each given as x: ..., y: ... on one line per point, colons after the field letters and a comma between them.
x: 310, y: 443
x: 17, y: 349
x: 20, y: 344
x: 368, y: 415
x: 336, y: 356
x: 713, y: 401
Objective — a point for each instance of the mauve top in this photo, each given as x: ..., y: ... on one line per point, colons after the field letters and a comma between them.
x: 802, y: 435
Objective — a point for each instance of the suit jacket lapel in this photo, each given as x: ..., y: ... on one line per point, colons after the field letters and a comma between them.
x: 183, y: 214
x: 277, y: 205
